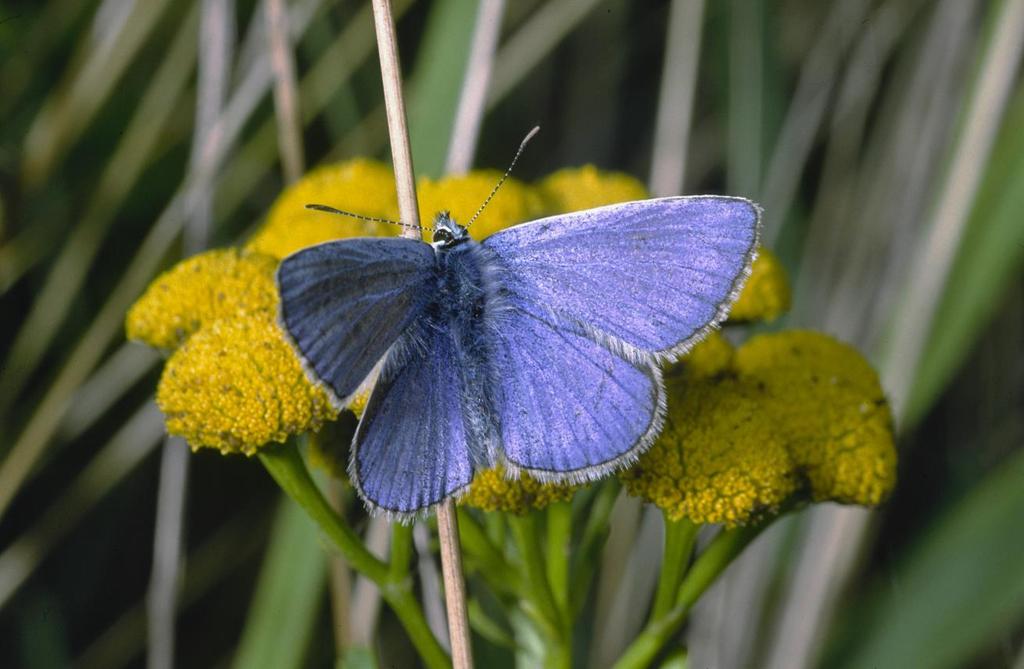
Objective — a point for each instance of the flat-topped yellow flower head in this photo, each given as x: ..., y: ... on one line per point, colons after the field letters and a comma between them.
x: 462, y: 196
x: 365, y: 187
x: 232, y: 382
x: 791, y: 414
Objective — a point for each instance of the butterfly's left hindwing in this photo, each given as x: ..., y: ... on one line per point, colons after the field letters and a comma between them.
x: 411, y: 449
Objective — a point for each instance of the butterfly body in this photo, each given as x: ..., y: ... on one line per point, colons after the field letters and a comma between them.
x: 537, y: 348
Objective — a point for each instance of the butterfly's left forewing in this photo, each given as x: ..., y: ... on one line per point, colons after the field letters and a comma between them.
x: 344, y: 303
x: 650, y: 276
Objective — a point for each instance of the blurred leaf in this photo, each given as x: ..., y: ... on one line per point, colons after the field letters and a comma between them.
x: 961, y: 587
x: 288, y: 595
x: 437, y: 83
x: 991, y: 253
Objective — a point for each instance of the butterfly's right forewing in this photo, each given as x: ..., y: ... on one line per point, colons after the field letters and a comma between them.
x: 344, y: 303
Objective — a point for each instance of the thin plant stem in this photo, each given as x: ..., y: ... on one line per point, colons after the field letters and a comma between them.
x: 405, y: 182
x: 712, y: 562
x: 679, y: 539
x: 285, y: 464
x: 454, y: 585
x: 398, y: 126
x: 401, y: 551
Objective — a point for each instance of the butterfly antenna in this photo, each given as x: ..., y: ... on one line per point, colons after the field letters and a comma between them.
x: 372, y: 219
x: 504, y: 176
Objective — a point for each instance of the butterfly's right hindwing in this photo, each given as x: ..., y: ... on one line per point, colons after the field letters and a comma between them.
x: 344, y: 303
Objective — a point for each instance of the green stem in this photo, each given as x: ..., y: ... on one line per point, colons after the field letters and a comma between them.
x: 711, y: 563
x: 286, y: 465
x: 495, y: 526
x: 486, y: 557
x: 559, y: 536
x: 401, y: 551
x: 594, y: 534
x: 524, y: 529
x: 679, y: 538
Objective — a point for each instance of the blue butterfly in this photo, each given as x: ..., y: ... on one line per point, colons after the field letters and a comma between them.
x: 537, y: 348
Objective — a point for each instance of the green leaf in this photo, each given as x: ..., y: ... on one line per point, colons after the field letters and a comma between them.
x: 961, y: 588
x: 991, y: 253
x: 437, y: 83
x: 288, y: 595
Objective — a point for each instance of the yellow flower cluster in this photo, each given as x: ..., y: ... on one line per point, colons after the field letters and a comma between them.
x: 232, y: 382
x: 493, y: 490
x: 786, y: 414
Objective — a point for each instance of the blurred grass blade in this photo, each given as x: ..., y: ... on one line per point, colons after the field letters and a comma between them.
x: 357, y: 658
x: 990, y: 254
x: 215, y: 560
x: 44, y: 421
x: 288, y: 596
x: 534, y: 40
x: 806, y: 112
x: 136, y: 439
x: 914, y: 318
x: 746, y: 96
x: 473, y: 96
x: 961, y: 588
x: 437, y: 82
x: 676, y: 97
x: 76, y: 100
x: 125, y: 166
x: 354, y: 44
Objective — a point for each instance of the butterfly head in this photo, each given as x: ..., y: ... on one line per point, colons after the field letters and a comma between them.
x: 448, y: 233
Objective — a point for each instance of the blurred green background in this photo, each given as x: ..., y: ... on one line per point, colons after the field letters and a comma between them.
x: 885, y: 140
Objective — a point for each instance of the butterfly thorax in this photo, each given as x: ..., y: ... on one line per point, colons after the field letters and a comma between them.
x: 465, y: 306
